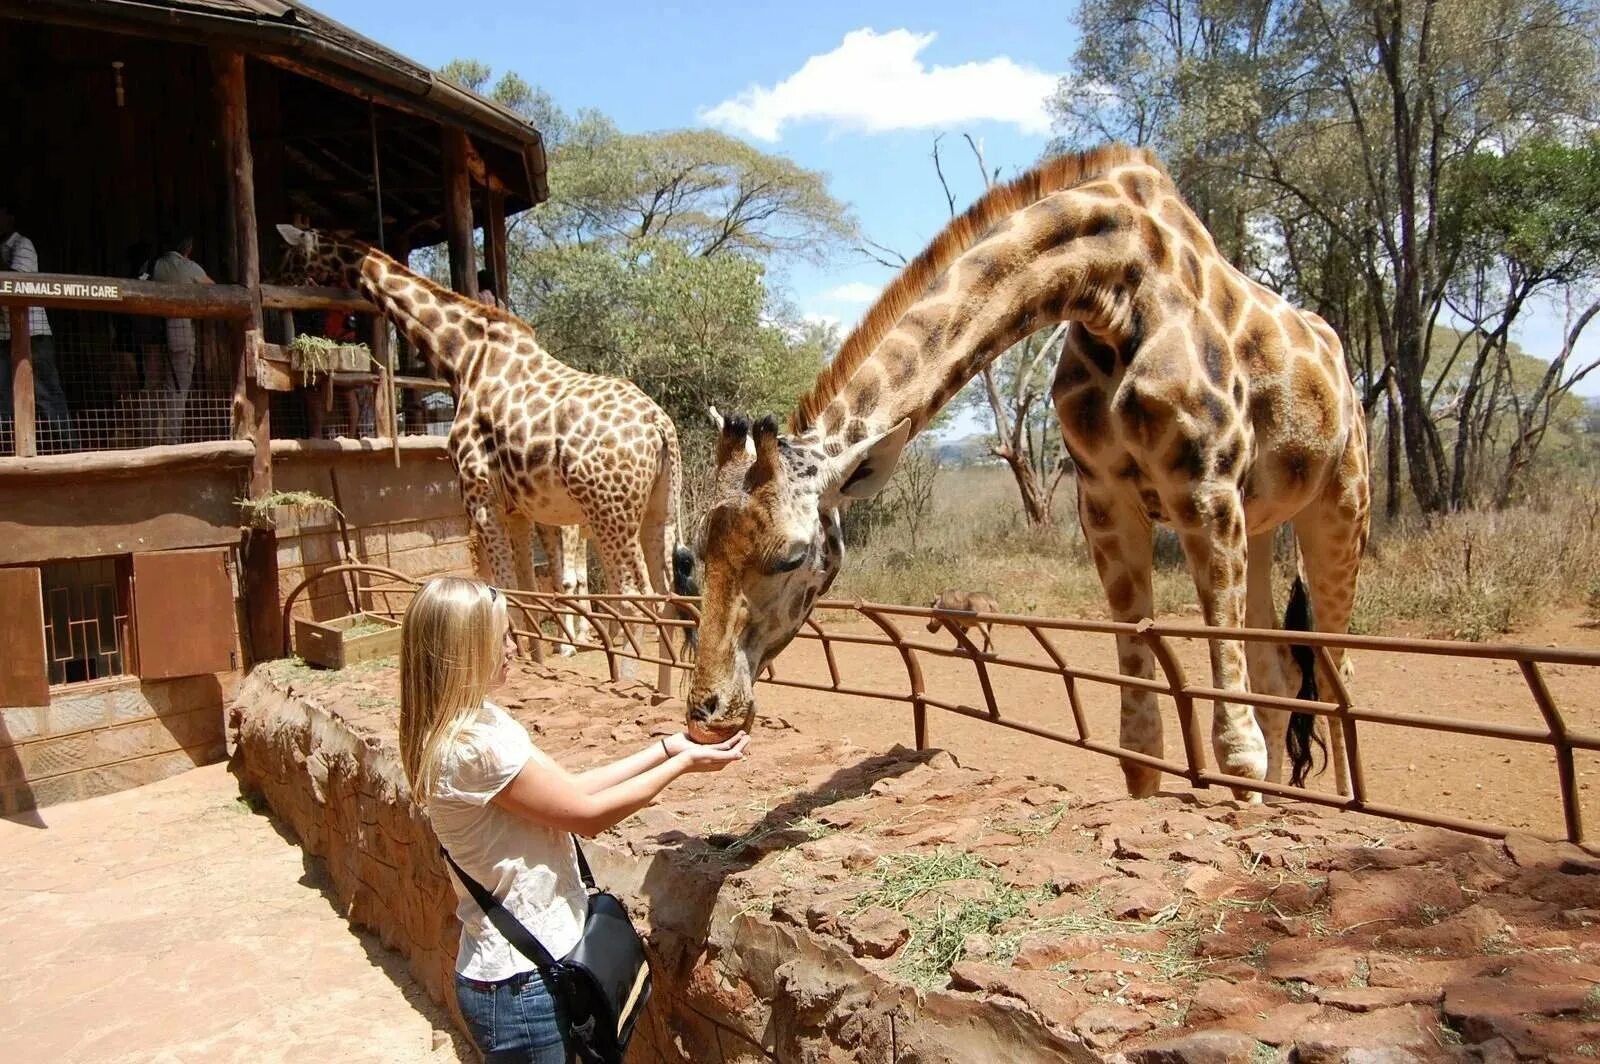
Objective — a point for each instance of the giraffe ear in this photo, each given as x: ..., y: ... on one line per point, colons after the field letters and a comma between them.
x: 297, y: 237
x: 863, y: 470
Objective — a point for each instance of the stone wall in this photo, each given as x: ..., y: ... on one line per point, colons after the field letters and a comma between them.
x: 729, y: 985
x: 101, y: 737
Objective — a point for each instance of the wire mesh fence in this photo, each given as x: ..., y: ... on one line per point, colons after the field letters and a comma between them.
x: 958, y: 679
x: 107, y: 382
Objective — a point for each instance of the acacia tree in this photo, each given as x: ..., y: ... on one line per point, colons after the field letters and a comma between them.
x: 1529, y: 223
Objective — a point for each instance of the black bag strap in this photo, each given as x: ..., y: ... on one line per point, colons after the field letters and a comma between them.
x: 509, y: 926
x: 583, y: 867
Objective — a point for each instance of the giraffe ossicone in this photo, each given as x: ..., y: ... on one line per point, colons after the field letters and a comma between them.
x: 1187, y: 394
x: 536, y: 443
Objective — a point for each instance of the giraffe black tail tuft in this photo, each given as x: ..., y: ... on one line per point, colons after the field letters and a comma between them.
x: 1302, y: 734
x: 685, y: 585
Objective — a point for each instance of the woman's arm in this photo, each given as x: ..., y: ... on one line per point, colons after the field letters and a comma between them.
x: 594, y: 780
x: 552, y: 797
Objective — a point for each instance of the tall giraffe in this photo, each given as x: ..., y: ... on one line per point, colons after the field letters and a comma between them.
x: 534, y: 441
x: 1187, y: 394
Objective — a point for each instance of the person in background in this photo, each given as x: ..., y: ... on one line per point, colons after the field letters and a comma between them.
x: 171, y: 376
x: 340, y: 327
x: 486, y: 289
x: 18, y: 254
x: 504, y: 809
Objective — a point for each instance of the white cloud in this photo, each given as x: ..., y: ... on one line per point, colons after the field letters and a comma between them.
x: 876, y: 82
x: 855, y: 292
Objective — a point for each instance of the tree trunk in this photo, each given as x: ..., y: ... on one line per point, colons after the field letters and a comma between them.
x: 1391, y: 503
x: 1035, y: 500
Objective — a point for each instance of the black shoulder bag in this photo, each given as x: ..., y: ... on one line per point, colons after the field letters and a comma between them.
x: 602, y: 985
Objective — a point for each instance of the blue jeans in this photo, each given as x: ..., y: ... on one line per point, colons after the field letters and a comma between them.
x: 514, y: 1021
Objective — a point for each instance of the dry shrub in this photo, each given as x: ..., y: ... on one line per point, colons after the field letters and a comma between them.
x: 1479, y: 574
x: 1466, y: 576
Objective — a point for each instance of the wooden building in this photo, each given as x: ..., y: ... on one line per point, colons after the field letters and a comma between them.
x: 137, y: 580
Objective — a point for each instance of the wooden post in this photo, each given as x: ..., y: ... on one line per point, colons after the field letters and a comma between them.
x: 251, y: 403
x: 458, y: 213
x: 26, y: 443
x: 494, y: 243
x: 383, y: 416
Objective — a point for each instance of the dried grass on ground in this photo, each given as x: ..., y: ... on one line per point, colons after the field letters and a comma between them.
x: 1473, y: 575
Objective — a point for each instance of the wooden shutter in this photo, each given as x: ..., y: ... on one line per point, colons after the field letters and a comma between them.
x: 183, y: 613
x: 24, y: 674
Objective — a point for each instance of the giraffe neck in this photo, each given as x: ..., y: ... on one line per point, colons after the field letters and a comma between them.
x: 437, y: 321
x: 1045, y: 265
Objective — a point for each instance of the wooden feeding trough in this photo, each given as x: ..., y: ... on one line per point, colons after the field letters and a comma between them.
x: 343, y: 641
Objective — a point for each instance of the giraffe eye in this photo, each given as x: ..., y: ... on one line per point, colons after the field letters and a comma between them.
x: 792, y: 562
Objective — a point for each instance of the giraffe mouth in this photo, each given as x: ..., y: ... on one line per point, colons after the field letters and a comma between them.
x: 708, y: 733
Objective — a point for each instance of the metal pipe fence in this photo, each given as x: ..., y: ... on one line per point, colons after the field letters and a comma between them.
x: 616, y: 622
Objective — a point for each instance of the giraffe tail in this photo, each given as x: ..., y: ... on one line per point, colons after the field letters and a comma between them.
x: 1302, y: 733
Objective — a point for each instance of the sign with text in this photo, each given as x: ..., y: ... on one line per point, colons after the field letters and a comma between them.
x: 61, y: 289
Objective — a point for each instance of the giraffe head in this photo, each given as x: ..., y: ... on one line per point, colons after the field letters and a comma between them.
x: 770, y: 547
x: 317, y: 258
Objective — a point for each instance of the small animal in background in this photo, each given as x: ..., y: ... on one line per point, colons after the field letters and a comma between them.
x: 958, y: 602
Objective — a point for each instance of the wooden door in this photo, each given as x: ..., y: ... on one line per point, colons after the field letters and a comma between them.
x: 183, y: 613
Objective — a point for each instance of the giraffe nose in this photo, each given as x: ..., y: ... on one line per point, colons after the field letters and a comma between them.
x: 703, y: 713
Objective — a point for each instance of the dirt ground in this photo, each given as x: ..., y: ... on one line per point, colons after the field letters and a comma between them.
x: 1491, y: 780
x: 172, y: 923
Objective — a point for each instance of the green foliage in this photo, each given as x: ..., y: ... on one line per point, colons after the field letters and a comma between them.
x: 1536, y: 206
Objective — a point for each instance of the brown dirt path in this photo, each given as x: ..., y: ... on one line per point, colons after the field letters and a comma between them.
x: 172, y: 923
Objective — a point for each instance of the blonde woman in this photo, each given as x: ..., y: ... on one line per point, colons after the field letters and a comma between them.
x: 504, y: 810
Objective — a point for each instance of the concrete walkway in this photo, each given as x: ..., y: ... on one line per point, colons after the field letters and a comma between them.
x: 172, y: 923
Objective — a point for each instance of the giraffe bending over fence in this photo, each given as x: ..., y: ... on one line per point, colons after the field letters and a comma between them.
x: 534, y: 441
x: 1187, y: 394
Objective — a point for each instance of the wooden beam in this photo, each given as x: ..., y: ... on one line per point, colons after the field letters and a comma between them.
x: 90, y: 465
x: 120, y: 295
x: 258, y: 547
x: 26, y: 443
x: 286, y: 297
x: 494, y: 242
x: 458, y: 212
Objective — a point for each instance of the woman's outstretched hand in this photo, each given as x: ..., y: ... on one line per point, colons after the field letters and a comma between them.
x: 712, y: 757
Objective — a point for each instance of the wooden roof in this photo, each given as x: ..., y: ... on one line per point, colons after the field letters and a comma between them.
x: 295, y: 37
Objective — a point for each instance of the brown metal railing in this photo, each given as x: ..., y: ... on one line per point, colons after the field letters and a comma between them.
x: 616, y: 621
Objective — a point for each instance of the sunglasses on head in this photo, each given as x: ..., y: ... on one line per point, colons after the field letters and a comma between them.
x: 494, y: 593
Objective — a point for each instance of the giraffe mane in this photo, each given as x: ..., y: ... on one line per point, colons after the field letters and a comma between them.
x: 961, y: 233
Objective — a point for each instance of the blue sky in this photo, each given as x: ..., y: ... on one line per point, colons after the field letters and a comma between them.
x: 855, y: 90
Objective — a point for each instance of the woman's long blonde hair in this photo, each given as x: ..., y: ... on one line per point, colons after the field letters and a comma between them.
x: 450, y: 645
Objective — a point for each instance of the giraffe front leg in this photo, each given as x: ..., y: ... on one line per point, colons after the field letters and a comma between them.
x: 552, y: 540
x: 520, y: 531
x: 624, y: 565
x: 1271, y: 668
x: 494, y: 557
x: 1119, y: 536
x: 575, y: 576
x: 1215, y: 546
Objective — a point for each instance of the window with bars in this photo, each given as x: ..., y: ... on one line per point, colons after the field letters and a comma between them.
x: 86, y: 619
x: 156, y: 615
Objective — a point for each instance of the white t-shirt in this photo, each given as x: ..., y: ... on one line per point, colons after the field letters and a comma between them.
x: 531, y: 869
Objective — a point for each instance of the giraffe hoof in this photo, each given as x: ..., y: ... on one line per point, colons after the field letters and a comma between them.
x: 1142, y: 782
x: 567, y: 652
